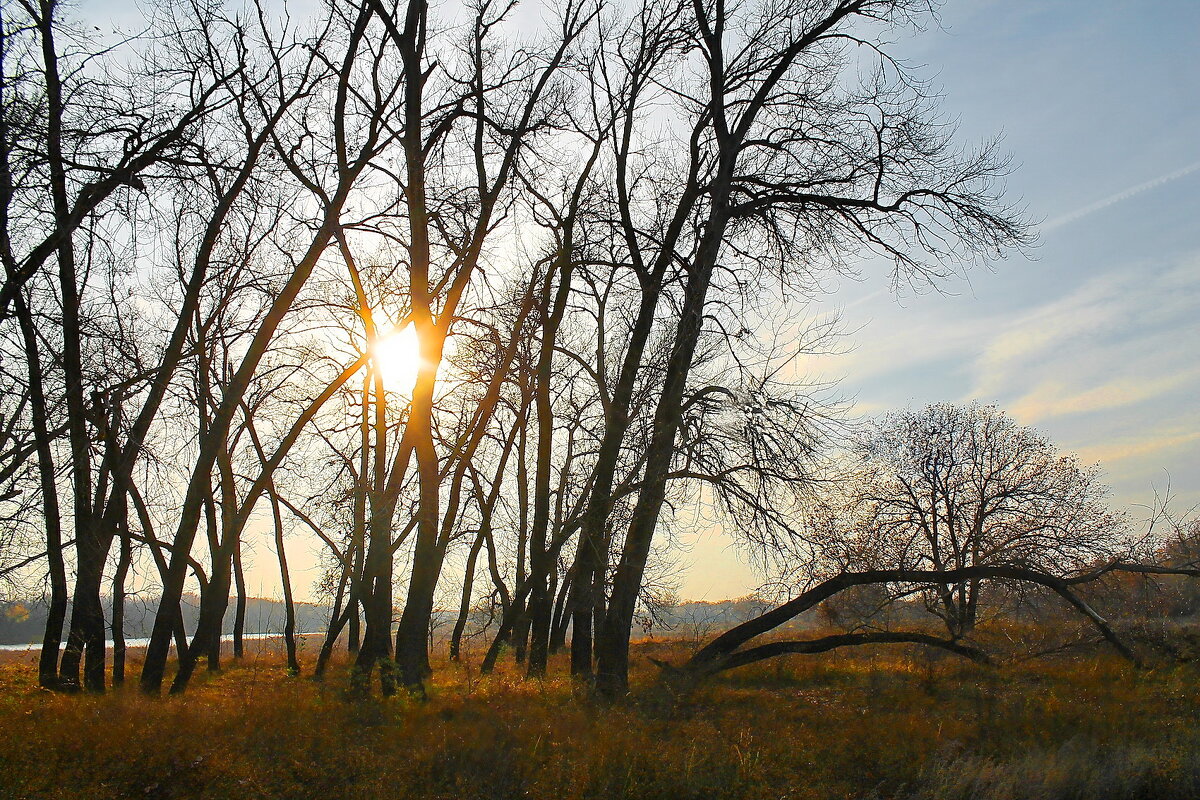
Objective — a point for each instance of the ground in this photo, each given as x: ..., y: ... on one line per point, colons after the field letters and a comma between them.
x: 880, y: 723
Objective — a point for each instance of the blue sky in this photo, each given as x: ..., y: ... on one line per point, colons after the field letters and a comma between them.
x: 1095, y: 339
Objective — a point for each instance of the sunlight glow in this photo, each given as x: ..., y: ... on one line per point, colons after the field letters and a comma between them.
x: 398, y: 356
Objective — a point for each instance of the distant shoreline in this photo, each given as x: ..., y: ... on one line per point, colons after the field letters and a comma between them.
x: 136, y: 644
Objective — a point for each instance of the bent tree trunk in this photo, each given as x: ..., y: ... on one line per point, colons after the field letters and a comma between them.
x: 688, y: 676
x: 725, y: 652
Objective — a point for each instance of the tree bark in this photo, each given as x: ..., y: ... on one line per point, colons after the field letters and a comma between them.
x: 57, y: 611
x: 289, y: 605
x: 464, y: 606
x: 239, y: 612
x: 118, y: 609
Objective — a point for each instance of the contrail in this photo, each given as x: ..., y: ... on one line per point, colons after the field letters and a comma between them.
x: 1078, y: 214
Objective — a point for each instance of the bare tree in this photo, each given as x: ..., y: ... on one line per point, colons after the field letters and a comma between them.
x: 787, y: 171
x: 294, y: 70
x: 94, y: 140
x: 951, y: 486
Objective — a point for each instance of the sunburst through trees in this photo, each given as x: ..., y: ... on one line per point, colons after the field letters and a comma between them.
x: 479, y: 309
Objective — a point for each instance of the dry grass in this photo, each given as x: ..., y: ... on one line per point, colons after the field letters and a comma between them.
x: 882, y: 724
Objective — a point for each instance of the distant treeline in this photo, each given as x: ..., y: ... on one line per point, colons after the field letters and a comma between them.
x: 1167, y: 598
x: 24, y: 622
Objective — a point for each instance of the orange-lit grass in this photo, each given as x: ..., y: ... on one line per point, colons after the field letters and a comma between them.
x: 881, y: 723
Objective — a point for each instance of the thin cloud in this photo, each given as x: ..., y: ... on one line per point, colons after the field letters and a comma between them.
x: 1055, y: 398
x: 1138, y: 447
x: 1119, y: 197
x: 1042, y: 331
x: 1116, y: 339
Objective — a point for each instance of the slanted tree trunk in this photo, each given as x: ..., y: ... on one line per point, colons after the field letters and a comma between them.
x: 591, y: 556
x: 337, y: 621
x: 562, y: 616
x: 464, y: 606
x: 613, y: 642
x: 289, y: 626
x: 729, y: 126
x: 189, y: 517
x: 160, y: 561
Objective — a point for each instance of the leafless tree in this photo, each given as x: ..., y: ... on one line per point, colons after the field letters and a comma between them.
x: 785, y: 171
x: 953, y: 486
x: 95, y: 145
x: 295, y: 69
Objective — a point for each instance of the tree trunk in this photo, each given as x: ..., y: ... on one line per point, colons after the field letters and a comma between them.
x: 206, y: 634
x: 180, y: 633
x: 289, y: 626
x: 156, y: 652
x: 189, y: 518
x: 57, y: 611
x: 520, y: 640
x: 337, y: 621
x: 91, y: 544
x: 118, y: 610
x: 724, y: 649
x: 239, y: 612
x: 412, y: 653
x: 377, y: 608
x: 353, y: 640
x: 86, y: 637
x: 358, y: 535
x: 542, y: 595
x: 464, y: 606
x: 591, y: 557
x: 206, y: 640
x: 562, y: 616
x: 612, y: 678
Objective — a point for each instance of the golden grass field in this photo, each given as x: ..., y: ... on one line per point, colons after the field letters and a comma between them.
x: 885, y: 723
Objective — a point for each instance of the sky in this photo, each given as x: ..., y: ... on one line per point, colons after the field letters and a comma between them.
x: 1095, y: 338
x: 1092, y: 338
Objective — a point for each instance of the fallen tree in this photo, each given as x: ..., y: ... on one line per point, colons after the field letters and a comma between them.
x: 729, y: 651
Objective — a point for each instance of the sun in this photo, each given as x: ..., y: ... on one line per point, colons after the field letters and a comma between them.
x: 398, y: 356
